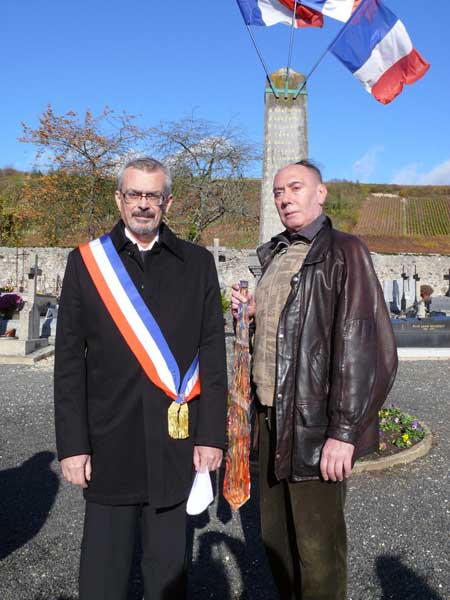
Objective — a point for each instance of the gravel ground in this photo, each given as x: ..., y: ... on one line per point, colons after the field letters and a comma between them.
x: 398, y: 520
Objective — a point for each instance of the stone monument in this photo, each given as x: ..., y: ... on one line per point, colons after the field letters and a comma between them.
x: 285, y: 141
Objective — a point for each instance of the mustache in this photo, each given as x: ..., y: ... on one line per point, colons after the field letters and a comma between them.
x: 148, y: 212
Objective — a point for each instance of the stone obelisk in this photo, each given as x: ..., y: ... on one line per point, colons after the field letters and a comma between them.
x: 285, y: 140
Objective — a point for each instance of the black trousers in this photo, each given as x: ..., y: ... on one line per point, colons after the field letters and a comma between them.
x: 303, y: 530
x: 108, y: 545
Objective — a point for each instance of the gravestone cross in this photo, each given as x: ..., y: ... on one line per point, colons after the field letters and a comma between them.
x: 21, y: 255
x: 405, y: 277
x: 416, y: 281
x: 447, y: 278
x: 29, y: 315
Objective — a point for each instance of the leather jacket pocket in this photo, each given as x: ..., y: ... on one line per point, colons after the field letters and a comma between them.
x: 319, y: 366
x: 312, y: 379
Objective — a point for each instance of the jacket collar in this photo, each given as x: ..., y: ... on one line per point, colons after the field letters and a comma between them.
x: 167, y: 239
x: 316, y: 253
x: 322, y: 243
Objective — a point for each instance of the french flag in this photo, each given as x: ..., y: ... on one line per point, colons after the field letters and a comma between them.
x: 375, y: 46
x: 271, y: 12
x: 336, y: 9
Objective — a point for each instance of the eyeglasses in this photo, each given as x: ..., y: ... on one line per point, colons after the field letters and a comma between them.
x: 134, y: 196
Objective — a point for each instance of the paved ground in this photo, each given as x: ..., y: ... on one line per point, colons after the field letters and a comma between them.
x: 398, y: 520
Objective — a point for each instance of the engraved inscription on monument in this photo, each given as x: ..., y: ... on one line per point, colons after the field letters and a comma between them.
x: 285, y: 141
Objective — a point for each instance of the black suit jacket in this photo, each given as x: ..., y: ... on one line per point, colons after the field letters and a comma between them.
x: 104, y: 403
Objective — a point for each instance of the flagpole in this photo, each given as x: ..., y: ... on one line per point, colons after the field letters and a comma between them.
x: 299, y: 90
x: 341, y: 31
x: 291, y: 44
x: 262, y: 61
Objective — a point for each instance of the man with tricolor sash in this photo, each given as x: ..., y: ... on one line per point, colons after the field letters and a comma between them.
x: 140, y: 387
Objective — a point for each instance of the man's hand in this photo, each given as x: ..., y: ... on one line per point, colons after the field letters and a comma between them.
x: 336, y: 460
x: 207, y: 458
x: 77, y: 469
x: 237, y: 299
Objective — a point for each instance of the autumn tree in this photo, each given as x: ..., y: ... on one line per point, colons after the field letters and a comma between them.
x: 52, y: 208
x: 74, y: 146
x: 209, y: 163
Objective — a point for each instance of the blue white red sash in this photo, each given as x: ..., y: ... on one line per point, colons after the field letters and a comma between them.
x: 136, y: 323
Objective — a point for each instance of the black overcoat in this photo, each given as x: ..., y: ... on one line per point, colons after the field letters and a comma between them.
x: 106, y: 406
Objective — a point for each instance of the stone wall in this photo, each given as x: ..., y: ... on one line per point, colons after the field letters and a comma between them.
x: 232, y: 266
x: 430, y: 269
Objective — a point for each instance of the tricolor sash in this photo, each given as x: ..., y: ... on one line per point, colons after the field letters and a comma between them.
x: 136, y: 323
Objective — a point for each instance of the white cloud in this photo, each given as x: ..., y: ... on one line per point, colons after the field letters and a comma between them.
x: 365, y: 166
x: 439, y: 175
x: 411, y: 175
x: 408, y: 175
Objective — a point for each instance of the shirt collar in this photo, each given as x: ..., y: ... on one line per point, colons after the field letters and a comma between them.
x: 131, y: 237
x: 166, y: 238
x: 305, y: 234
x: 309, y: 232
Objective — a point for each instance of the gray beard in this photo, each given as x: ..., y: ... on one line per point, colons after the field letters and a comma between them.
x: 143, y: 230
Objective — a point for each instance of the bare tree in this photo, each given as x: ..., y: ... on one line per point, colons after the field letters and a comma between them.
x: 208, y: 163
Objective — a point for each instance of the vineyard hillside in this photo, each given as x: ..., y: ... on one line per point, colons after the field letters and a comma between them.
x: 394, y: 222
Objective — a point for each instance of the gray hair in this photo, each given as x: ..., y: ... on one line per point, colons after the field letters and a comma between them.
x: 149, y: 165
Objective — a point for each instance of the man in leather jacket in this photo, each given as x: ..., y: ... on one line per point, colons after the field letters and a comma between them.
x: 324, y: 361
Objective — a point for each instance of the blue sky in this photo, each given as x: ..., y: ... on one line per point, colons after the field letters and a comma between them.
x: 162, y: 60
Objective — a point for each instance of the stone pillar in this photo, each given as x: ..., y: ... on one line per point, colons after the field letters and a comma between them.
x: 285, y: 141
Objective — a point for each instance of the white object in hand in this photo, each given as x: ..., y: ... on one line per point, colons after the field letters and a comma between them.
x: 201, y: 494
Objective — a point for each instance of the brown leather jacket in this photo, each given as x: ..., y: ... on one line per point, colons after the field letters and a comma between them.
x: 336, y: 354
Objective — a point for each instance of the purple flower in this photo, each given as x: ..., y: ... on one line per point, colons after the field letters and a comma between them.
x: 10, y: 301
x: 392, y: 405
x: 414, y: 424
